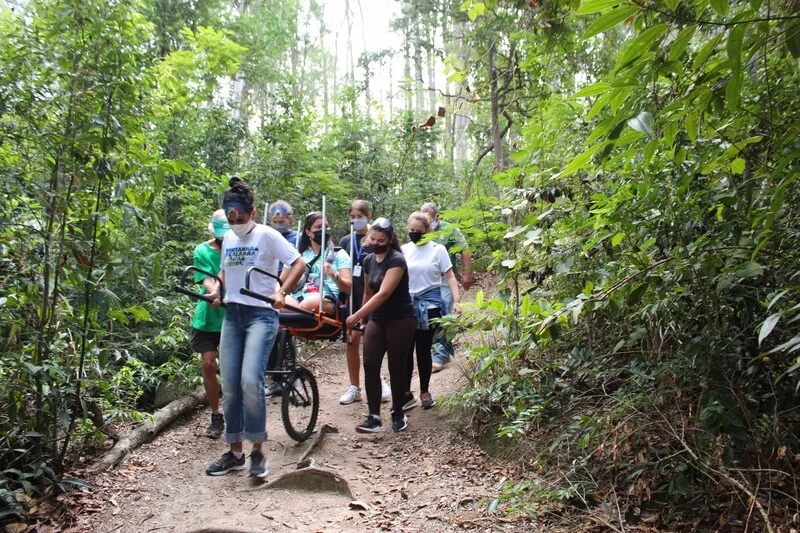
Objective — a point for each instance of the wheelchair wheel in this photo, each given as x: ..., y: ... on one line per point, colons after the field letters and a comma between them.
x: 300, y: 404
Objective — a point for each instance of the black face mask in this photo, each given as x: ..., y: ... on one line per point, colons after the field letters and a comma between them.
x: 380, y: 248
x: 318, y: 236
x: 414, y: 236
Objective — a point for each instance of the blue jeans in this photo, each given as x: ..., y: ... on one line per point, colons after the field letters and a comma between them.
x: 248, y: 334
x: 443, y: 349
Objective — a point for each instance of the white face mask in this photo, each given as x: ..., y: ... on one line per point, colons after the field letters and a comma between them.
x: 435, y: 225
x: 359, y: 224
x: 242, y: 229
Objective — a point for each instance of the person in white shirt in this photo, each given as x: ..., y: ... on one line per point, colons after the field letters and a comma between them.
x: 249, y: 327
x: 428, y: 265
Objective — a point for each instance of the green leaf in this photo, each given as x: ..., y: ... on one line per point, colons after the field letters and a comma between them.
x: 737, y: 165
x: 690, y: 124
x: 641, y: 44
x: 609, y: 20
x: 636, y: 294
x: 749, y: 269
x: 680, y: 43
x: 476, y: 10
x: 580, y: 160
x: 793, y: 39
x: 593, y: 89
x: 616, y: 239
x: 643, y: 123
x: 720, y: 6
x: 594, y: 6
x: 705, y: 52
x: 767, y: 327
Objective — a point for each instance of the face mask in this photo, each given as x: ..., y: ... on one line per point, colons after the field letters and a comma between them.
x: 218, y: 242
x: 380, y: 248
x: 359, y: 224
x: 240, y: 230
x: 318, y: 236
x: 414, y: 236
x: 435, y: 224
x: 281, y: 228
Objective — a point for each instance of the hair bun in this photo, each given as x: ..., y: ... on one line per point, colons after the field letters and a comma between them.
x: 234, y: 180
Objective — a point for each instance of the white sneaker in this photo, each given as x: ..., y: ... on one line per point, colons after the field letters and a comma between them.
x: 386, y: 391
x: 353, y: 394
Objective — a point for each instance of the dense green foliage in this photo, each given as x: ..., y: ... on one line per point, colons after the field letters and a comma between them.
x: 627, y: 169
x: 645, y: 337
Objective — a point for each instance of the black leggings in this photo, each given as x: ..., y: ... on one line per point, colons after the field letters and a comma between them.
x: 423, y: 341
x: 380, y: 337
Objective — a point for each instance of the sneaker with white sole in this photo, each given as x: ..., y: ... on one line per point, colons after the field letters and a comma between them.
x: 258, y: 464
x: 372, y: 424
x: 438, y: 363
x: 272, y: 388
x: 227, y: 463
x: 353, y: 394
x: 399, y: 422
x: 411, y: 402
x: 386, y: 391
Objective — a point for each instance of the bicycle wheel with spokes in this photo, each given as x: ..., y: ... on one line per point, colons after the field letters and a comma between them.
x: 300, y: 404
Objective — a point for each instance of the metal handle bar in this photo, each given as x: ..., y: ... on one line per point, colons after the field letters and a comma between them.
x: 196, y: 295
x: 247, y: 292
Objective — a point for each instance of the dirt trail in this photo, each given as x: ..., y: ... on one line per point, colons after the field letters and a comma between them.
x: 426, y: 478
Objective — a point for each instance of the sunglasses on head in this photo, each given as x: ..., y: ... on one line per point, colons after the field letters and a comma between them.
x: 235, y: 210
x: 383, y: 223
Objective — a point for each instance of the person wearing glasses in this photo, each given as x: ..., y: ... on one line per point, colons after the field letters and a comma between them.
x: 249, y: 327
x: 429, y: 267
x: 390, y: 324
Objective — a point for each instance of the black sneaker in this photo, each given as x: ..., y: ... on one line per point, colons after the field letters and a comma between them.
x: 399, y: 422
x: 216, y: 426
x: 372, y: 424
x: 272, y: 388
x: 225, y: 464
x: 411, y: 402
x: 258, y: 464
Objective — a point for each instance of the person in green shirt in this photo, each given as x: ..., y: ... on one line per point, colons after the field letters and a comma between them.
x: 207, y: 320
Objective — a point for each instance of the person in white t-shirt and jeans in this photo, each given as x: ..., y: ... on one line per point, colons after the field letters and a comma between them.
x: 249, y: 327
x: 428, y: 266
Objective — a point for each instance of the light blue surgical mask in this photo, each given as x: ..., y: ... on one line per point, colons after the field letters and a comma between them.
x: 359, y: 224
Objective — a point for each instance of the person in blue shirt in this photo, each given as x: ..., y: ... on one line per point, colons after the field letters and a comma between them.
x: 281, y: 218
x: 336, y: 265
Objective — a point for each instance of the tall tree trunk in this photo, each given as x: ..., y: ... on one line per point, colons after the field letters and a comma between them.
x: 335, y: 67
x: 418, y: 82
x: 497, y: 140
x: 351, y: 73
x: 407, y: 68
x: 391, y: 87
x: 431, y: 37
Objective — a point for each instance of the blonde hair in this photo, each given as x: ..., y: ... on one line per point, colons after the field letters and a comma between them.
x: 422, y: 218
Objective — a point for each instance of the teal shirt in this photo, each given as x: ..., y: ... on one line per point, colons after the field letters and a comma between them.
x: 207, y: 318
x: 340, y: 261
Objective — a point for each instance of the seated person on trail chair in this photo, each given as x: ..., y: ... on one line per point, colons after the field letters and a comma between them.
x: 337, y: 267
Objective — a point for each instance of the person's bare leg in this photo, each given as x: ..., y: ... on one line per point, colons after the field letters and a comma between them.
x: 354, y: 358
x: 210, y: 381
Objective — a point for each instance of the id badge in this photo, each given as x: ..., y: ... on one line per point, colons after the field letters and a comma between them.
x: 357, y: 271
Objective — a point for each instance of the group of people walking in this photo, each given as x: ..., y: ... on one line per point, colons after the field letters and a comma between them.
x: 397, y: 293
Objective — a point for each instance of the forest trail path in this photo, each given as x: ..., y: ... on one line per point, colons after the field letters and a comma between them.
x: 425, y: 478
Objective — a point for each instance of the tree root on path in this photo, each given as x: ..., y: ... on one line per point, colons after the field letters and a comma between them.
x: 310, y: 479
x: 304, y: 461
x: 147, y: 431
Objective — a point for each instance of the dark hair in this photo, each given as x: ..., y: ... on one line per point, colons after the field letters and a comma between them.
x: 305, y: 241
x: 239, y: 192
x: 390, y: 233
x: 361, y: 206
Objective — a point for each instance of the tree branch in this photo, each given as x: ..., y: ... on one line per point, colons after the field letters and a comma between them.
x: 486, y: 151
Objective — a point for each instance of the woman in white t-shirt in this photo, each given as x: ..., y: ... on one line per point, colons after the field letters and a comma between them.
x: 249, y: 327
x: 428, y: 263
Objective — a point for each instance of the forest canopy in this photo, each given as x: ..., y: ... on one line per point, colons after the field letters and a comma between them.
x: 626, y: 171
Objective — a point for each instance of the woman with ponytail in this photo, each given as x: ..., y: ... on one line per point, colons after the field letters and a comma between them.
x: 249, y: 327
